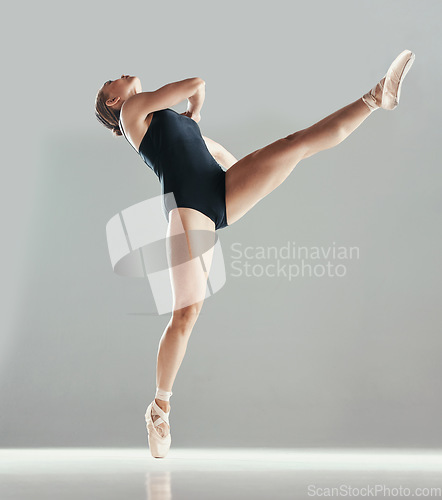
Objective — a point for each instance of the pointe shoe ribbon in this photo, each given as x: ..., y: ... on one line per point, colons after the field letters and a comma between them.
x: 163, y: 416
x: 373, y: 98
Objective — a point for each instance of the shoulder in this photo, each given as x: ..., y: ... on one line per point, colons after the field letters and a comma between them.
x: 129, y: 112
x: 134, y: 125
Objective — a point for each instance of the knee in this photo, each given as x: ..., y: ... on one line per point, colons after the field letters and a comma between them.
x: 299, y: 142
x: 184, y: 318
x: 296, y: 136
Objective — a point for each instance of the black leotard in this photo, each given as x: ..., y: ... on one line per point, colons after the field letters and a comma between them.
x: 175, y: 150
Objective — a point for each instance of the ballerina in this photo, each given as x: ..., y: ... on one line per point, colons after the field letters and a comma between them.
x: 211, y: 188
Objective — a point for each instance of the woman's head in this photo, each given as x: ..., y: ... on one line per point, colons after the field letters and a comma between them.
x: 111, y: 97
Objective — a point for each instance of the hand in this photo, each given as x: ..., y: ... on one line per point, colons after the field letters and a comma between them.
x: 195, y: 116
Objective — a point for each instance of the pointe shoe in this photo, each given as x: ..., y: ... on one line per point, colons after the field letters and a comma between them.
x: 394, y: 78
x: 387, y: 92
x: 159, y: 445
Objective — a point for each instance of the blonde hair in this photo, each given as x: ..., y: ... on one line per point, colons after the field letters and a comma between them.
x: 105, y: 115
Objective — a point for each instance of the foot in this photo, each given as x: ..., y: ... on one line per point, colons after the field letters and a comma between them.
x: 157, y: 423
x: 394, y: 78
x: 163, y: 428
x: 387, y: 92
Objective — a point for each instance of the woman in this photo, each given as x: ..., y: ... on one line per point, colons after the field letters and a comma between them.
x: 206, y: 196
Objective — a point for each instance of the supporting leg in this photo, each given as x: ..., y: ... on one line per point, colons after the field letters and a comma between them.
x: 189, y: 233
x: 172, y: 346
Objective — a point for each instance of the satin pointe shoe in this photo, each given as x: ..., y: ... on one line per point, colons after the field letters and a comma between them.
x: 159, y: 445
x: 387, y: 92
x: 394, y: 78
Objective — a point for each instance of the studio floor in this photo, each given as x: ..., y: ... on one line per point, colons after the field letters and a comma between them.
x: 255, y: 473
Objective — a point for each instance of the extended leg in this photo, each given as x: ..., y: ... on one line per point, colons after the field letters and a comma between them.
x: 332, y: 129
x: 259, y: 173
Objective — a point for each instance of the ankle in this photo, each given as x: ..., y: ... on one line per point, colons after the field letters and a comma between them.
x: 164, y: 405
x: 370, y: 102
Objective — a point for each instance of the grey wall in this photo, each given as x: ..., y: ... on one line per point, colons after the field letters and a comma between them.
x: 350, y: 361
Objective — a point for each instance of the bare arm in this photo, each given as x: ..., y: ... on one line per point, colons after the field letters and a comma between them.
x: 220, y: 153
x: 195, y: 102
x: 140, y: 105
